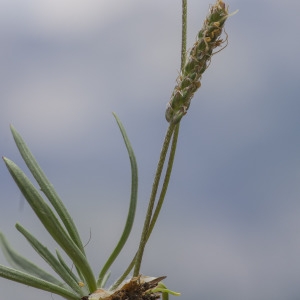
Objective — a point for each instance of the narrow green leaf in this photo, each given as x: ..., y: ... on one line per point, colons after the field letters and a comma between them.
x: 131, y: 210
x: 36, y: 282
x: 51, y: 223
x: 50, y: 259
x: 161, y: 288
x: 47, y: 188
x: 63, y: 263
x: 78, y: 281
x: 21, y: 263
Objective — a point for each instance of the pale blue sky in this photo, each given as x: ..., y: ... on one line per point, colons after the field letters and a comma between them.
x: 230, y: 227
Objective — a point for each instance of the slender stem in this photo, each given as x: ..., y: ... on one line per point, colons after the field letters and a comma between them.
x: 183, y: 32
x: 176, y: 132
x: 159, y: 169
x: 173, y: 130
x: 166, y: 180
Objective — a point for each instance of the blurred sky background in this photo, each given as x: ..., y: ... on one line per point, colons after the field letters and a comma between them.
x: 230, y: 227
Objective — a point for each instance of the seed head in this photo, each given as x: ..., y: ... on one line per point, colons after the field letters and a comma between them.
x: 197, y: 62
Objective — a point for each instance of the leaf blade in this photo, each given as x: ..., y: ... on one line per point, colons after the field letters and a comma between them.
x: 50, y: 259
x: 51, y: 223
x: 47, y: 188
x: 132, y: 207
x: 23, y: 264
x: 27, y: 279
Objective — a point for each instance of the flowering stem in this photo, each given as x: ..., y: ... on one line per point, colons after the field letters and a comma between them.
x: 177, y: 127
x: 188, y: 82
x: 172, y: 131
x: 183, y: 33
x: 166, y: 180
x: 158, y: 173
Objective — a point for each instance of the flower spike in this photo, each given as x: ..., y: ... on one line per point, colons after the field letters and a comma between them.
x: 197, y: 62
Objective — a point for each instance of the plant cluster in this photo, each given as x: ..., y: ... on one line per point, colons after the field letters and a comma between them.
x: 79, y: 282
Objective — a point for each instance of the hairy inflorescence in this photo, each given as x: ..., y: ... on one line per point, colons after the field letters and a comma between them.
x: 188, y: 81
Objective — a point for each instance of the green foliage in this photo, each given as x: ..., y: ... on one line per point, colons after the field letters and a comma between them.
x: 62, y: 229
x: 53, y: 215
